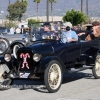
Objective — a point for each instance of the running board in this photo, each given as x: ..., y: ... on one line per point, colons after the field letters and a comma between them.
x: 72, y: 70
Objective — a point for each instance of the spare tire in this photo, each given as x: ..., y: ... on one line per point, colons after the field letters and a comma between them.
x: 15, y: 49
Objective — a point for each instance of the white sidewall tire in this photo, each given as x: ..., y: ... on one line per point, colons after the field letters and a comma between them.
x: 4, y: 83
x: 3, y: 68
x: 15, y: 48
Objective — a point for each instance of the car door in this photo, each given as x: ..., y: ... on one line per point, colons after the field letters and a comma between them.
x: 85, y: 50
x: 72, y: 51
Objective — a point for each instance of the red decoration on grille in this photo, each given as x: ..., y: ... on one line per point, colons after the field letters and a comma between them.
x: 25, y: 56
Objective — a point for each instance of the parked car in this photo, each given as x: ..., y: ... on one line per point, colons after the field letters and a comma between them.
x: 50, y: 58
x: 3, y: 30
x: 4, y: 44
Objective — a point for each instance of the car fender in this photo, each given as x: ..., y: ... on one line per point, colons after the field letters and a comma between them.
x: 45, y: 61
x: 91, y: 59
x: 17, y: 42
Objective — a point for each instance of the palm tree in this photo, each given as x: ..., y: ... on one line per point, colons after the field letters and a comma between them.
x: 37, y: 1
x: 25, y: 1
x: 52, y: 1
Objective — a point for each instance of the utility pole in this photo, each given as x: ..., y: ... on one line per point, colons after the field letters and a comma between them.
x: 81, y: 5
x: 47, y: 12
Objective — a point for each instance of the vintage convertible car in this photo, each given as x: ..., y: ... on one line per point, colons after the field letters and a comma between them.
x: 12, y: 42
x: 49, y: 58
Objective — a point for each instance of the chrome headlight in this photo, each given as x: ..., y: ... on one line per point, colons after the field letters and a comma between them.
x: 44, y: 36
x: 7, y: 57
x: 36, y: 57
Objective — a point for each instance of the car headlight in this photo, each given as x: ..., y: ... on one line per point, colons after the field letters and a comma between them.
x: 36, y: 57
x: 7, y: 57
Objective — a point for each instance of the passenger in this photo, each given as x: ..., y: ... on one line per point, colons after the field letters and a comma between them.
x: 93, y: 35
x: 68, y: 35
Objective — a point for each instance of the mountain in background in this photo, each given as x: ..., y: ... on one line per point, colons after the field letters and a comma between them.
x: 60, y: 8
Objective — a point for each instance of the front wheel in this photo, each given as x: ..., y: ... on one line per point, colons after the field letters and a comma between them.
x: 4, y: 82
x: 53, y: 76
x: 96, y: 68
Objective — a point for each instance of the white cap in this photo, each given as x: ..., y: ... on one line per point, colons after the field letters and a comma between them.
x: 67, y: 24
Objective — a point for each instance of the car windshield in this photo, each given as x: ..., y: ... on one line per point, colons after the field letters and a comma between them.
x: 45, y: 30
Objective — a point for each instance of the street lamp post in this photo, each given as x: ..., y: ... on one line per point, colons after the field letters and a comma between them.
x: 47, y: 11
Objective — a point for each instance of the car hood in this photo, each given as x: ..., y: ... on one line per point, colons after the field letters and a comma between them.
x: 42, y: 48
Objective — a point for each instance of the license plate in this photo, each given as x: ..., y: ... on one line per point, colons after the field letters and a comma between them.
x: 24, y: 75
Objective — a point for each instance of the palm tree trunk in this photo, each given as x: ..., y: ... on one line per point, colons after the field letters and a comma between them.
x: 81, y: 5
x: 87, y: 10
x: 9, y: 2
x: 37, y: 11
x: 47, y: 12
x: 52, y: 10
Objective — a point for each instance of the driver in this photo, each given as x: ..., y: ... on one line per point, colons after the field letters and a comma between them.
x: 47, y: 31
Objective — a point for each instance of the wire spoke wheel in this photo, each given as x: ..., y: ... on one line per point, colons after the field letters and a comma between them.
x: 96, y: 68
x: 4, y: 82
x: 53, y: 76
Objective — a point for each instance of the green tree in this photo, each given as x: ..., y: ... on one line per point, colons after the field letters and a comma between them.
x: 75, y: 17
x: 37, y: 1
x: 32, y: 21
x: 16, y: 10
x: 52, y: 1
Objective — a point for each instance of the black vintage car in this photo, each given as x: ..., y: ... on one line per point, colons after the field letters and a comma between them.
x: 49, y: 58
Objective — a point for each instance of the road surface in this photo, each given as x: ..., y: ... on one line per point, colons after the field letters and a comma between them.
x: 76, y: 86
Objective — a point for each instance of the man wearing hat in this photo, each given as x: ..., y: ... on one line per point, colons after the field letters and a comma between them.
x: 68, y: 35
x: 96, y: 28
x: 47, y: 30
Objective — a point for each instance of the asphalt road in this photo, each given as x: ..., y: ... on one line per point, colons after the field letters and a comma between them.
x: 76, y: 86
